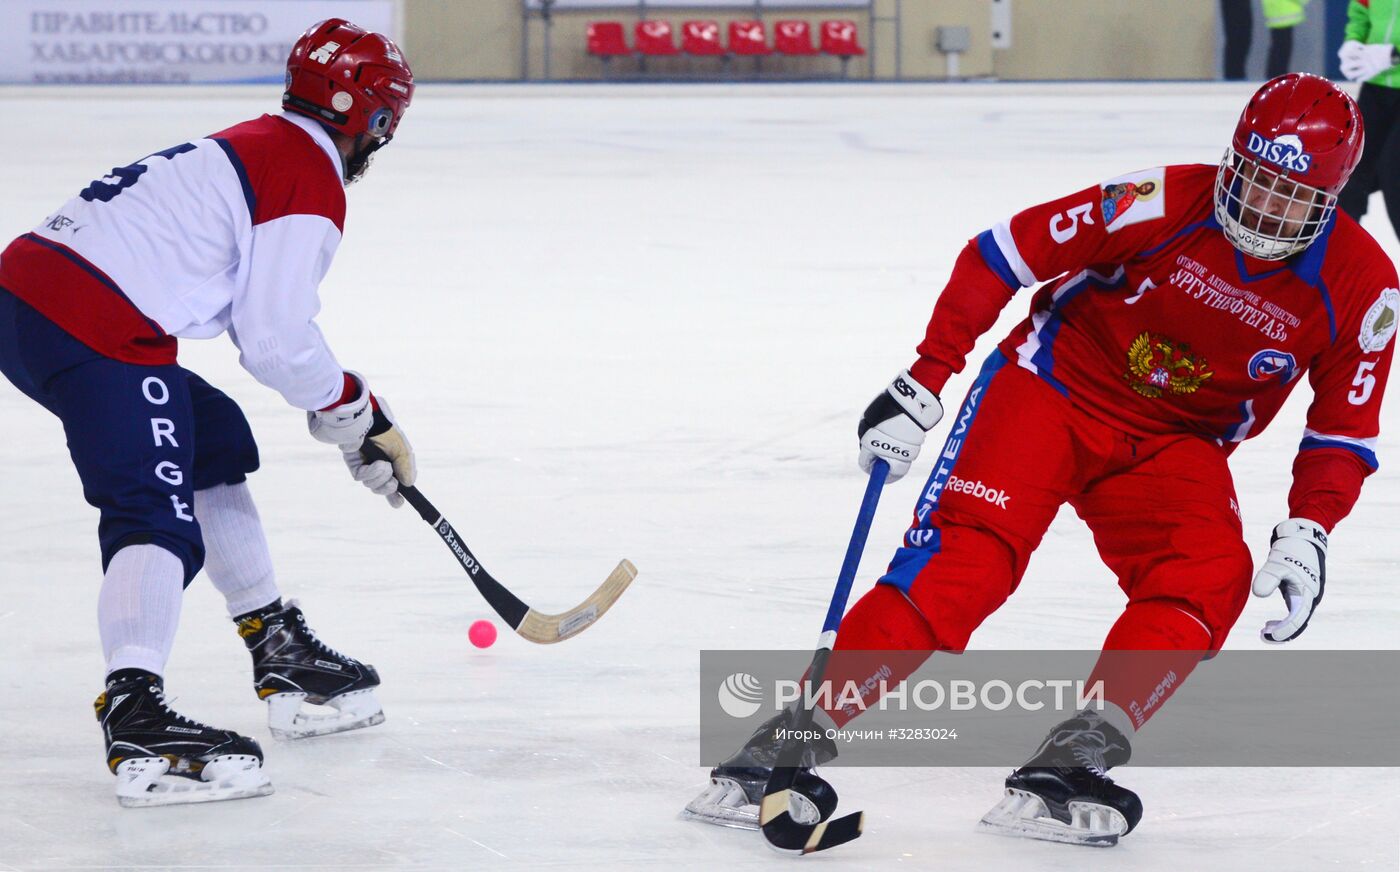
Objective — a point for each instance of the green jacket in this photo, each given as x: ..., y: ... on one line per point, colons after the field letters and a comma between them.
x: 1284, y: 13
x: 1376, y: 22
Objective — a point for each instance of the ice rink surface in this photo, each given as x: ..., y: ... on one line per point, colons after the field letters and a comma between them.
x: 624, y: 322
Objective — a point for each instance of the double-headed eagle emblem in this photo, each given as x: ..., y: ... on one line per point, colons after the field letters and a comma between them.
x: 1158, y: 365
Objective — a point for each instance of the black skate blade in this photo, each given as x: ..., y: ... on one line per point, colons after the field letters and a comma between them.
x: 787, y: 835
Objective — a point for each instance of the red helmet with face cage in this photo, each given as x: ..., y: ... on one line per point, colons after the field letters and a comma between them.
x: 1294, y: 148
x: 349, y: 79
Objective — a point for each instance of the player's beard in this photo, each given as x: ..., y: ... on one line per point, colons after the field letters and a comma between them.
x: 357, y: 164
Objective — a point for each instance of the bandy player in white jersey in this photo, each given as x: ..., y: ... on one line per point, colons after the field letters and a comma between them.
x: 232, y: 234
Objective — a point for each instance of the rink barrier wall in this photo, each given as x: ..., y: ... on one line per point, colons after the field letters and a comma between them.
x: 1060, y: 40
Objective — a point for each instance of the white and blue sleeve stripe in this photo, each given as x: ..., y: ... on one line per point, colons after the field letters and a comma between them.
x: 998, y: 249
x: 1363, y: 448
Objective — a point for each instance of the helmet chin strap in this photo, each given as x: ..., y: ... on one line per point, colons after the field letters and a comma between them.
x: 361, y: 156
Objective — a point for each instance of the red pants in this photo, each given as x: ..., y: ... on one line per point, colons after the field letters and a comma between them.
x: 1162, y: 511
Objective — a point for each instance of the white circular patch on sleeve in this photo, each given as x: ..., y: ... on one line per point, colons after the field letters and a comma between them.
x: 342, y: 101
x: 1378, y: 326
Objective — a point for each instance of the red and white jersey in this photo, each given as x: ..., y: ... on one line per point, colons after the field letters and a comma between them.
x: 233, y: 232
x: 1148, y: 319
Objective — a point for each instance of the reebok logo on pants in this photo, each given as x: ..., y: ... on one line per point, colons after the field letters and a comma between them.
x: 978, y: 490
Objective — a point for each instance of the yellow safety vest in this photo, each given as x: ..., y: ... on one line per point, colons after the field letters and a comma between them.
x: 1284, y: 13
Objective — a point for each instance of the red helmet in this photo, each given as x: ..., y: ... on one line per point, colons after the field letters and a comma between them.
x: 349, y: 79
x: 1294, y: 148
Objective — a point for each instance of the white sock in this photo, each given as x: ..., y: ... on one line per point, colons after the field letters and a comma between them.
x: 235, y: 550
x: 139, y: 607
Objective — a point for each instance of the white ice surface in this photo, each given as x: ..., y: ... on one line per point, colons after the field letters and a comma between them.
x: 634, y: 322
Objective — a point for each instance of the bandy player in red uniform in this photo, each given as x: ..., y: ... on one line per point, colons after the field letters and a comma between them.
x: 1178, y: 307
x: 231, y: 233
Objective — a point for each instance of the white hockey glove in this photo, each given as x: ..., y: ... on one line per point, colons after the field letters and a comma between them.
x: 353, y: 424
x: 1362, y: 62
x: 347, y: 423
x: 1297, y: 565
x: 894, y: 424
x: 1350, y: 51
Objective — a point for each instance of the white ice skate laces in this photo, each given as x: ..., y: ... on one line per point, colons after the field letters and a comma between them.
x: 168, y: 703
x: 311, y: 636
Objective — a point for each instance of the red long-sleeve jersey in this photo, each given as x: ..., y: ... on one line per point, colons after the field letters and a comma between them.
x: 1148, y: 319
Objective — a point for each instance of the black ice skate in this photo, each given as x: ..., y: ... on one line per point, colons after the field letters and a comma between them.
x: 292, y: 668
x: 163, y: 758
x: 736, y: 785
x: 1062, y: 794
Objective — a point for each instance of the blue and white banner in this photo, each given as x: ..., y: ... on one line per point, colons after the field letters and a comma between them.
x: 106, y: 41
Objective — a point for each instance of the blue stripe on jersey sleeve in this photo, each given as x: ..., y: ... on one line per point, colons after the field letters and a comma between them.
x: 1365, y: 454
x: 992, y: 256
x: 248, y: 195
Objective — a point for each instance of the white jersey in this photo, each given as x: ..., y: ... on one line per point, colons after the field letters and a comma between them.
x: 233, y: 232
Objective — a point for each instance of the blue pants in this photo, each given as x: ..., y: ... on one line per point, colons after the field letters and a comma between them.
x: 143, y: 438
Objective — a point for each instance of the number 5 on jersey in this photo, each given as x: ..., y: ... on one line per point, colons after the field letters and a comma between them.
x: 1363, y: 384
x: 1063, y: 232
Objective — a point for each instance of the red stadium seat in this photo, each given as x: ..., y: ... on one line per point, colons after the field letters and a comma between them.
x: 793, y: 38
x: 655, y: 38
x: 839, y: 38
x: 748, y: 38
x: 607, y: 39
x: 701, y: 38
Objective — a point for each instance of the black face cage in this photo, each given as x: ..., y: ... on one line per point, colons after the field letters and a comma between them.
x: 362, y: 156
x: 1267, y: 215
